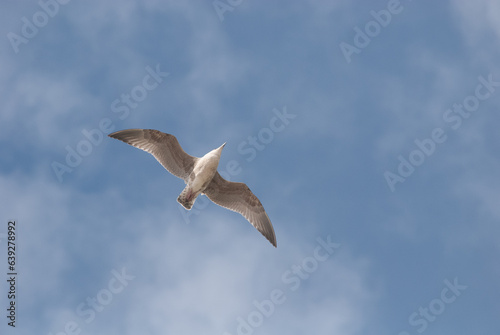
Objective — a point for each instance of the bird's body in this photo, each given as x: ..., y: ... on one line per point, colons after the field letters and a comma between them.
x: 204, y: 170
x: 200, y: 176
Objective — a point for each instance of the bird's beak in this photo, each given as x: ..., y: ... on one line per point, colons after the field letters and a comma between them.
x: 222, y: 146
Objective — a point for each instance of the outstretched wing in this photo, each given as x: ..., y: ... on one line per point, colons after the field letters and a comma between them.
x: 164, y: 147
x: 238, y: 198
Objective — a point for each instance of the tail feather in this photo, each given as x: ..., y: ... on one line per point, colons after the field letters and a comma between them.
x: 187, y: 198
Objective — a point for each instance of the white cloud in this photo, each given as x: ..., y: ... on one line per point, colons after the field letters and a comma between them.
x: 194, y: 277
x: 478, y: 19
x: 213, y: 274
x: 479, y: 22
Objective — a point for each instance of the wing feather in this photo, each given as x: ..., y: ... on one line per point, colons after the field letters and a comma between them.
x: 238, y: 198
x: 164, y: 147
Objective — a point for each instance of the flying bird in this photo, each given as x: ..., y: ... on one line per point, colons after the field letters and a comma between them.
x: 200, y: 176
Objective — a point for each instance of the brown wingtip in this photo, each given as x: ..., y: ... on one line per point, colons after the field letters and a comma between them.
x: 113, y: 135
x: 272, y: 241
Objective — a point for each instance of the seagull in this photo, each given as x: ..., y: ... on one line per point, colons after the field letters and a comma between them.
x: 200, y: 176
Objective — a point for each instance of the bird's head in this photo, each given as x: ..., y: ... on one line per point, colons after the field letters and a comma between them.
x: 217, y: 151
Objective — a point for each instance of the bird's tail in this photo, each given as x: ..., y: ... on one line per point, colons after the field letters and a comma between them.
x: 187, y: 198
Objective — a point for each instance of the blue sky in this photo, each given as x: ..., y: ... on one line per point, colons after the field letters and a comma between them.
x: 378, y: 166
